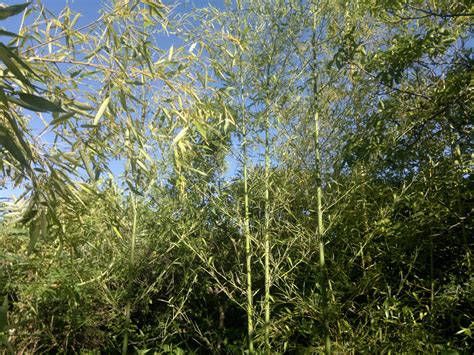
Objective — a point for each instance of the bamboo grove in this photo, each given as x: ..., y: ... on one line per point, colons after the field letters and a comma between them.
x: 248, y: 176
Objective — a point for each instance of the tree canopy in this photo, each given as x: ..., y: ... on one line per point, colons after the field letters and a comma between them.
x: 258, y: 176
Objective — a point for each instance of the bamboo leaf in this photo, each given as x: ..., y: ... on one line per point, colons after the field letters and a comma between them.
x: 101, y: 110
x: 117, y: 232
x: 8, y: 34
x: 30, y: 212
x: 22, y: 63
x: 192, y: 47
x: 24, y: 104
x: 19, y: 135
x: 3, y: 314
x: 179, y: 136
x: 201, y: 130
x: 9, y: 144
x: 82, y: 106
x: 62, y: 119
x: 5, y: 55
x: 40, y: 104
x: 34, y: 236
x: 44, y: 224
x: 87, y: 164
x: 143, y: 166
x: 12, y: 10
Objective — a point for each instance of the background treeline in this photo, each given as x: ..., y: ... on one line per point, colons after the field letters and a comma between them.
x: 290, y: 176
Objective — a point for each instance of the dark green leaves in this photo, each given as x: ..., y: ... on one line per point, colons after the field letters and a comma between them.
x: 6, y: 57
x: 8, y: 33
x: 3, y: 314
x: 12, y: 10
x: 8, y: 143
x: 34, y: 236
x: 40, y: 104
x: 4, y: 325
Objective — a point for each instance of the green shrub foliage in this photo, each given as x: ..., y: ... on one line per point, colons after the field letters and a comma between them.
x: 257, y: 176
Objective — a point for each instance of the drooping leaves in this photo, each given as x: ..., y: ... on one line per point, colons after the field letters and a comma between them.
x: 12, y: 10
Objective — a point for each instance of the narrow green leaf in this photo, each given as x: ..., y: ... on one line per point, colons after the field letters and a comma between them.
x: 200, y: 172
x: 8, y: 34
x: 5, y: 55
x: 82, y: 106
x: 41, y: 104
x: 192, y: 47
x: 24, y: 104
x: 44, y: 224
x: 201, y: 130
x: 30, y: 212
x: 62, y: 119
x: 180, y: 135
x: 117, y: 232
x: 132, y: 188
x: 134, y: 82
x: 12, y: 10
x: 101, y: 110
x: 21, y: 62
x: 9, y: 144
x: 34, y: 236
x: 19, y: 135
x: 3, y: 314
x: 87, y: 164
x: 75, y: 73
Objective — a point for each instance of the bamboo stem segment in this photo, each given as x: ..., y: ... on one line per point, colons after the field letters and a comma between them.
x: 319, y: 208
x: 322, y: 261
x: 248, y: 238
x: 130, y: 274
x: 267, y: 234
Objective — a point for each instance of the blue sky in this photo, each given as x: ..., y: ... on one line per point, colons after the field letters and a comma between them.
x: 88, y: 8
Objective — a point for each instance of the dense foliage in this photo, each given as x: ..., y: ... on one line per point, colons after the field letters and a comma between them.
x: 289, y: 176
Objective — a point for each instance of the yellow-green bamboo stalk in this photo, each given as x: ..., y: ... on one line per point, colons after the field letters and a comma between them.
x: 319, y: 208
x: 248, y: 244
x: 322, y: 261
x: 248, y: 238
x: 459, y: 165
x: 130, y: 274
x: 267, y: 232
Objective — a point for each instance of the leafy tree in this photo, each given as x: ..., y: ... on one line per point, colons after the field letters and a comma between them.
x: 288, y: 176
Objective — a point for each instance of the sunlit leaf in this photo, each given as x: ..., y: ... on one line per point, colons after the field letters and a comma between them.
x: 191, y: 48
x: 101, y: 110
x: 180, y: 135
x: 62, y: 119
x: 87, y: 164
x: 5, y: 57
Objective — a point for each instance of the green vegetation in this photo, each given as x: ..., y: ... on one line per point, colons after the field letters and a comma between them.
x: 288, y: 177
